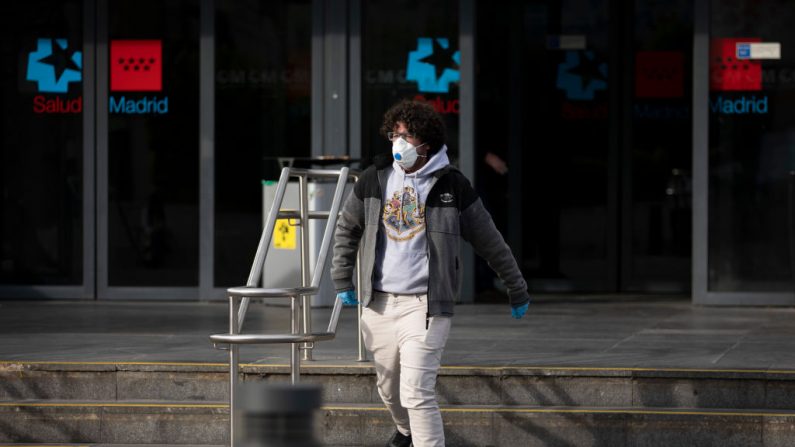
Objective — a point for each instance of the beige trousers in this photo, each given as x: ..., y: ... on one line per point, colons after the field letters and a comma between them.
x: 407, y: 357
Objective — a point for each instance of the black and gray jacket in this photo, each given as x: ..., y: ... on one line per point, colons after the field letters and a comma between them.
x: 452, y: 210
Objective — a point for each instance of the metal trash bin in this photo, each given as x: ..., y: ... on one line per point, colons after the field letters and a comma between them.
x: 283, y: 264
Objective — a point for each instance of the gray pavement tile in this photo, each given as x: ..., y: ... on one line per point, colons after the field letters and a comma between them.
x: 569, y: 331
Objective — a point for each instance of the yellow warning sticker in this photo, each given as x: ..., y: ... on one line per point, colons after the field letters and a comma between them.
x: 284, y: 235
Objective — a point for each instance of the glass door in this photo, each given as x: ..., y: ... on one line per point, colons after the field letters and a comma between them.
x: 543, y: 161
x: 409, y: 50
x: 751, y: 183
x: 583, y: 141
x: 148, y: 156
x: 656, y: 190
x: 263, y: 95
x: 46, y: 150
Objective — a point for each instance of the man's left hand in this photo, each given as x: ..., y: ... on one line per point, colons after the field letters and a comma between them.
x: 519, y: 311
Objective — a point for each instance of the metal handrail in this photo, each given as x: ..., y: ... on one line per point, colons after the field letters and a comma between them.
x: 276, y: 212
x: 251, y: 339
x: 256, y: 292
x: 308, y: 288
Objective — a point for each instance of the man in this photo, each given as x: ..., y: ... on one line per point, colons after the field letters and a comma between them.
x: 408, y: 215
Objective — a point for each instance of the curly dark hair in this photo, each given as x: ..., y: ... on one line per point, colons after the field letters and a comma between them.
x: 420, y: 119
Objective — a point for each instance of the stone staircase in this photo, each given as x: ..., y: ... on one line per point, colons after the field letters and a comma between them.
x: 118, y: 403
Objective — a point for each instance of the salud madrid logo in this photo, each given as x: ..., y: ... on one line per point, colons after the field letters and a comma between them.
x: 53, y: 65
x: 581, y: 75
x: 431, y: 65
x: 732, y: 74
x: 137, y: 66
x: 434, y: 65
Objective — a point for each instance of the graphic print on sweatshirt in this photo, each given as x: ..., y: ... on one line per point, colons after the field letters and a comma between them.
x: 404, y: 216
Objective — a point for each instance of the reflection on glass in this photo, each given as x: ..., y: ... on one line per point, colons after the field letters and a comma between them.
x: 545, y: 116
x: 41, y: 144
x: 661, y: 141
x: 751, y: 146
x: 409, y: 51
x: 542, y: 109
x: 263, y: 111
x: 153, y: 219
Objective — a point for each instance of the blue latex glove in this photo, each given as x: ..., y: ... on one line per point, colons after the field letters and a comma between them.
x: 348, y: 298
x: 518, y: 311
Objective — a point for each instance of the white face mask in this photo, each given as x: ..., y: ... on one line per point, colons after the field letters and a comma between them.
x: 405, y: 153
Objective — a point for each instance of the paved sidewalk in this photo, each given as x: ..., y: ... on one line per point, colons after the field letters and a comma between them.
x: 592, y: 331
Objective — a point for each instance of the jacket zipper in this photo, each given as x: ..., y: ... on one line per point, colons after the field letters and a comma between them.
x: 380, y: 219
x: 428, y: 251
x: 428, y: 292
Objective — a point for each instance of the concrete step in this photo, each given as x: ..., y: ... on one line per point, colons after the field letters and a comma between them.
x: 61, y: 444
x: 355, y: 383
x: 111, y: 423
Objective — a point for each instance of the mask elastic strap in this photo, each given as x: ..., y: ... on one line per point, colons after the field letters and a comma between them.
x: 417, y: 147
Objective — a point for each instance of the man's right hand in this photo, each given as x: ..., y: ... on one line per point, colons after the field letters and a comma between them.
x: 348, y: 298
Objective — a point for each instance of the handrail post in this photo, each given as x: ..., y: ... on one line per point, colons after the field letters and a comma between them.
x: 295, y: 324
x: 255, y: 275
x: 306, y: 278
x: 359, y: 309
x: 233, y: 366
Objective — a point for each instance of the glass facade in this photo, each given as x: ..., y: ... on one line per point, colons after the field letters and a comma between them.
x: 41, y: 144
x: 583, y: 141
x: 545, y: 115
x: 409, y: 51
x: 262, y: 112
x: 588, y: 120
x: 751, y: 147
x: 153, y: 187
x: 658, y: 232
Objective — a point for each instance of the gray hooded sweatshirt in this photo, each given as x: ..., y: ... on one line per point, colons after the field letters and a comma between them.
x: 402, y: 246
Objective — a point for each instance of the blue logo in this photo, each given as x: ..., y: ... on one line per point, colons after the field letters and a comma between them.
x: 153, y: 105
x: 433, y: 65
x: 53, y: 66
x: 743, y: 51
x: 581, y: 75
x: 744, y: 105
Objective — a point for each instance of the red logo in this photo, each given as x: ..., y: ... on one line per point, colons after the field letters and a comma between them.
x: 659, y: 74
x: 442, y: 106
x: 727, y: 73
x: 136, y: 65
